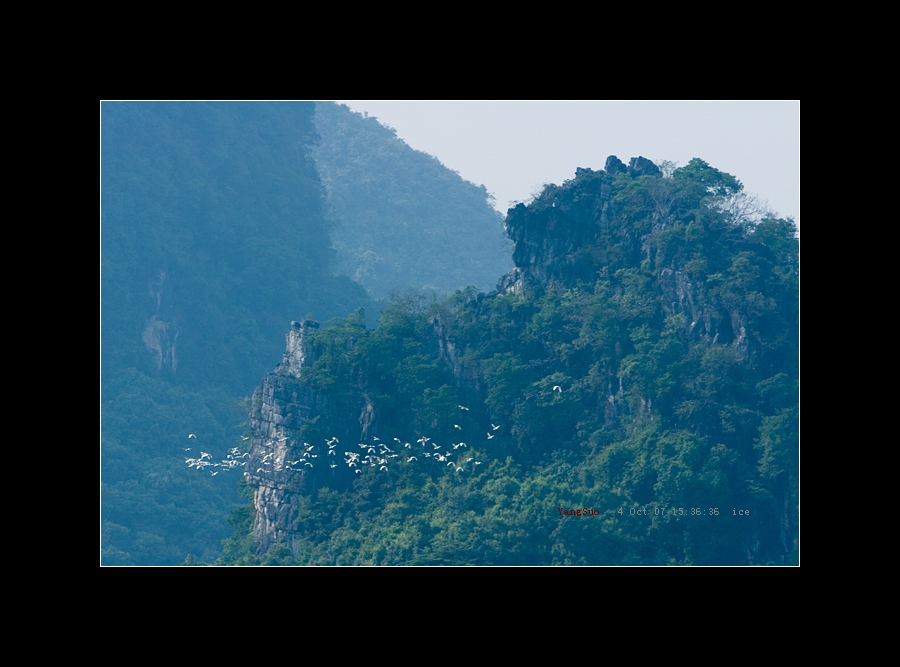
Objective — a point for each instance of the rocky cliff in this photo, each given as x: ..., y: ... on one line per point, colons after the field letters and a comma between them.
x: 644, y: 338
x: 292, y: 452
x: 574, y: 233
x: 567, y: 232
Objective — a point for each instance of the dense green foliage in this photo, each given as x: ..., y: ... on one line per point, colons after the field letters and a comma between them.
x: 402, y: 218
x: 645, y: 367
x: 216, y: 232
x: 213, y: 236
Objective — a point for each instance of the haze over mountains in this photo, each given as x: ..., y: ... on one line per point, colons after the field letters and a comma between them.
x: 402, y: 219
x: 629, y: 345
x: 216, y: 232
x: 629, y: 396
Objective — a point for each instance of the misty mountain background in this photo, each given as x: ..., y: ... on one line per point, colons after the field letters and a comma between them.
x: 220, y: 224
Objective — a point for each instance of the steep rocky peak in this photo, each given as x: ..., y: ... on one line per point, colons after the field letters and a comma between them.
x: 298, y: 352
x: 641, y: 166
x: 615, y: 166
x: 638, y: 166
x: 565, y: 233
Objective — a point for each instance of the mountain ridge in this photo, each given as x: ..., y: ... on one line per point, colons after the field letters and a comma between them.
x: 629, y: 362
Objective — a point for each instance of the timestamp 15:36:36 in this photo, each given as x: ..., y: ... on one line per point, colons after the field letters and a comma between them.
x: 681, y: 511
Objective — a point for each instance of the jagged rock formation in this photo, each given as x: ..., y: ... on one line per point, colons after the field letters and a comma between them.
x: 644, y: 338
x: 296, y: 354
x: 565, y: 233
x: 279, y: 410
x: 288, y: 448
x: 573, y: 232
x: 639, y: 166
x: 214, y: 234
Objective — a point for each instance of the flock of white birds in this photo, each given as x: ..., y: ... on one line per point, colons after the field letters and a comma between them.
x: 376, y: 455
x: 234, y: 459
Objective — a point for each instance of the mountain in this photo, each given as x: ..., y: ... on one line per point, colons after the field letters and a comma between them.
x: 213, y: 234
x: 216, y: 231
x: 627, y: 396
x: 402, y: 218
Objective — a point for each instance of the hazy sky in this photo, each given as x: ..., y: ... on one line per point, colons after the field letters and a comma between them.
x: 513, y: 148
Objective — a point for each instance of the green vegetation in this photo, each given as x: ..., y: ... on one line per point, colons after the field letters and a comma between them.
x: 213, y: 236
x: 216, y: 232
x: 403, y: 219
x: 645, y: 367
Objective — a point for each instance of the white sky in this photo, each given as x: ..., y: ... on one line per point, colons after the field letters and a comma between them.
x: 515, y: 147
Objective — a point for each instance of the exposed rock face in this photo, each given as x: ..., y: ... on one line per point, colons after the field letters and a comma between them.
x: 641, y: 166
x: 511, y: 283
x: 296, y: 354
x: 575, y: 234
x: 615, y: 166
x: 570, y: 234
x: 288, y: 449
x: 161, y: 339
x: 638, y: 166
x: 561, y: 235
x: 281, y: 408
x: 160, y: 334
x: 689, y: 298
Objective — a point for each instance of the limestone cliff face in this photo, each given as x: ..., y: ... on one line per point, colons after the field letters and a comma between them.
x: 566, y: 233
x: 690, y: 298
x: 289, y: 451
x: 573, y: 232
x: 160, y: 334
x: 294, y: 427
x: 279, y: 414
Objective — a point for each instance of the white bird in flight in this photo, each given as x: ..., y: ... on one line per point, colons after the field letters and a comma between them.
x: 191, y: 435
x: 556, y: 387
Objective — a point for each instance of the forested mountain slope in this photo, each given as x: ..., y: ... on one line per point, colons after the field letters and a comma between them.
x: 213, y: 235
x: 401, y: 217
x: 628, y: 396
x: 215, y: 232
